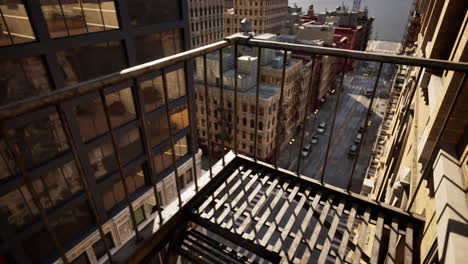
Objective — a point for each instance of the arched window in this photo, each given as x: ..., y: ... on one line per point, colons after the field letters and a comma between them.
x: 260, y: 125
x: 252, y: 123
x: 244, y: 121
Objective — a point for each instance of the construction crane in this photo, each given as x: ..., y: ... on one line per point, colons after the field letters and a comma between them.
x: 356, y: 5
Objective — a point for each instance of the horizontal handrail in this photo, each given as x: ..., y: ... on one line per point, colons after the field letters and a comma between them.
x: 31, y: 104
x: 354, y: 54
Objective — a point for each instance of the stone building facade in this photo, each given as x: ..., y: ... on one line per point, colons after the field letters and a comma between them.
x: 265, y: 16
x: 222, y: 116
x: 206, y: 21
x: 428, y: 146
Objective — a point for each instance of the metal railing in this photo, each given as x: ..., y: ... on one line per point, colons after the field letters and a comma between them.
x: 56, y: 98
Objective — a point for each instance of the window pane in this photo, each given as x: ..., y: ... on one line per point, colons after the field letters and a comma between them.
x: 59, y: 187
x: 113, y: 195
x: 91, y: 119
x: 74, y: 17
x: 181, y: 147
x: 100, y: 248
x: 179, y: 118
x: 159, y: 129
x: 121, y: 107
x: 36, y: 248
x: 39, y: 140
x: 130, y: 145
x: 72, y: 223
x: 14, y: 23
x: 175, y: 84
x: 22, y: 78
x: 7, y: 164
x: 15, y: 208
x: 84, y: 63
x: 157, y: 45
x: 102, y: 160
x: 153, y: 93
x: 143, y: 12
x: 140, y: 215
x: 81, y: 259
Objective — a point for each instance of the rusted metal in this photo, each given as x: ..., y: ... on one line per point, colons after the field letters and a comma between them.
x: 222, y: 103
x: 207, y: 111
x: 235, y: 98
x: 257, y: 94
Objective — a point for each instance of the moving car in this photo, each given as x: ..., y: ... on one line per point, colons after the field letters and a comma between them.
x: 321, y: 128
x: 306, y: 150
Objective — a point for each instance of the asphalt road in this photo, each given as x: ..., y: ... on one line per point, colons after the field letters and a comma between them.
x: 350, y: 116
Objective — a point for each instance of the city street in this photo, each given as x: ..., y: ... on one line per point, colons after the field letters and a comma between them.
x: 351, y: 115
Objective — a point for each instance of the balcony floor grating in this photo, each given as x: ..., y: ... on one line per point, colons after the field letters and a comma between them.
x: 288, y: 219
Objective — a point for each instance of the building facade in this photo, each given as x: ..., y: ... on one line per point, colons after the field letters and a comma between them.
x: 265, y: 16
x: 206, y: 21
x: 423, y: 163
x: 219, y: 119
x: 49, y: 45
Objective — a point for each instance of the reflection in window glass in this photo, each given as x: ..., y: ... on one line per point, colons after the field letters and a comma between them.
x: 102, y: 160
x: 22, y: 78
x: 163, y: 160
x: 143, y: 12
x: 81, y: 259
x: 18, y: 206
x: 157, y: 45
x: 35, y: 247
x: 91, y: 119
x: 72, y: 223
x: 40, y: 140
x: 100, y: 246
x: 179, y: 118
x: 7, y: 164
x: 15, y: 27
x: 115, y: 193
x: 140, y: 215
x: 175, y: 84
x: 75, y: 17
x: 130, y: 145
x: 121, y: 107
x: 84, y: 63
x: 153, y: 93
x: 159, y: 129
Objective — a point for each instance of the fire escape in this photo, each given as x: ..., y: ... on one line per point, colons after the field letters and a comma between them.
x: 246, y: 211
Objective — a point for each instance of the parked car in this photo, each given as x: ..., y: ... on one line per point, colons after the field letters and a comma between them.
x: 358, y: 138
x: 306, y: 150
x: 368, y: 93
x: 353, y: 149
x: 314, y: 140
x: 321, y: 128
x: 361, y: 129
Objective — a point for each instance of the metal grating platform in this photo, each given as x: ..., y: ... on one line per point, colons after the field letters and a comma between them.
x: 289, y: 219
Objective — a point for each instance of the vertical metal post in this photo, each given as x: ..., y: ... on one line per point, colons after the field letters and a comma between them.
x: 119, y: 163
x: 207, y: 111
x: 192, y: 125
x: 339, y: 92
x: 368, y: 115
x: 305, y: 116
x: 171, y: 135
x: 28, y: 180
x: 256, y: 104
x: 235, y: 99
x: 222, y: 102
x: 92, y: 202
x: 426, y: 167
x: 280, y: 108
x: 147, y: 145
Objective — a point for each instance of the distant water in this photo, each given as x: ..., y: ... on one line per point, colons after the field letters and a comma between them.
x: 391, y: 16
